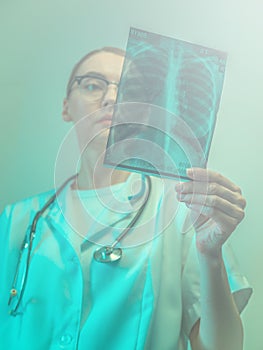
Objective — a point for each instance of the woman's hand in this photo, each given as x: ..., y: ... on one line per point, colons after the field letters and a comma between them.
x: 217, y: 207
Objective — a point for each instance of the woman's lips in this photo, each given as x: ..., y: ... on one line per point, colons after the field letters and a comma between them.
x: 106, y: 120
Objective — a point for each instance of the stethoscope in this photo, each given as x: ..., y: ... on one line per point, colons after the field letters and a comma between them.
x: 105, y: 254
x: 110, y: 253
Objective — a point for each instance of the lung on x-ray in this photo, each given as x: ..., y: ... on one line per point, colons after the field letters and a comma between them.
x: 167, y: 103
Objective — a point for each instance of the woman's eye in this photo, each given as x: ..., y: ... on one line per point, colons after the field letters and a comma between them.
x: 92, y: 87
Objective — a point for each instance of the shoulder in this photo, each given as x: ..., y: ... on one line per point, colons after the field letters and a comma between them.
x: 27, y: 205
x: 16, y: 218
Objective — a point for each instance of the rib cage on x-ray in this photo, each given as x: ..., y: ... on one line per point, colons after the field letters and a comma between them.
x: 181, y: 83
x: 183, y: 79
x: 149, y: 67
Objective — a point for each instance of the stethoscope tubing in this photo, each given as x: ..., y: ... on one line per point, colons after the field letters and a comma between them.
x: 29, y: 245
x: 28, y: 242
x: 135, y: 219
x: 110, y: 254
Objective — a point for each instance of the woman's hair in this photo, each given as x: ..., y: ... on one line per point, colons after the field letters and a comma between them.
x: 111, y: 49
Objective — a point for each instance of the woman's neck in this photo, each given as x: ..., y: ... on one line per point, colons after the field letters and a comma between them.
x: 93, y: 174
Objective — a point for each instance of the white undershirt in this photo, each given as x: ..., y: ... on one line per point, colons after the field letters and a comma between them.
x: 97, y: 217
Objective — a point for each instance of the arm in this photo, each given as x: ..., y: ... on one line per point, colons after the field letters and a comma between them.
x: 220, y: 326
x: 217, y: 207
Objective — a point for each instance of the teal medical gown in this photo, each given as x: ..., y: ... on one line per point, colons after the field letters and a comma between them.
x: 147, y: 300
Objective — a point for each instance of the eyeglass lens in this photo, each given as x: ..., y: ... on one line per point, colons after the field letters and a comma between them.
x: 94, y: 88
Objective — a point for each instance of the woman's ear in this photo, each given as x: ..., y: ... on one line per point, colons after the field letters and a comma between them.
x: 65, y: 111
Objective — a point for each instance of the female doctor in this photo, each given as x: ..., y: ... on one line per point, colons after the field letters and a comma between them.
x: 108, y: 263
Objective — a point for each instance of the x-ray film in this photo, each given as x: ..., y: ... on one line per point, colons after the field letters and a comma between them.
x: 167, y: 103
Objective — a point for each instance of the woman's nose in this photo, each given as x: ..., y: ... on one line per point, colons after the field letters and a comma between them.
x: 110, y: 95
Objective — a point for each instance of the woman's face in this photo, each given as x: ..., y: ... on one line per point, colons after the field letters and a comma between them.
x: 95, y: 115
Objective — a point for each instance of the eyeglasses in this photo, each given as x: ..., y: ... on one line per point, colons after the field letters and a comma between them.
x: 92, y: 86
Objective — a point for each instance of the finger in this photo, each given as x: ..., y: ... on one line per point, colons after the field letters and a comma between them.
x: 214, y: 203
x: 211, y: 189
x: 226, y: 222
x: 207, y: 175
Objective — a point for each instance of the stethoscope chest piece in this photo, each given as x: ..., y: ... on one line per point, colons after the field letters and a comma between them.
x: 107, y: 254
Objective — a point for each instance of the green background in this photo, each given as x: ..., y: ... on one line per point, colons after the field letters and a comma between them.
x: 40, y: 42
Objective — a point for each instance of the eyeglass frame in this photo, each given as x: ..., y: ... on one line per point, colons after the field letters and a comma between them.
x: 79, y: 78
